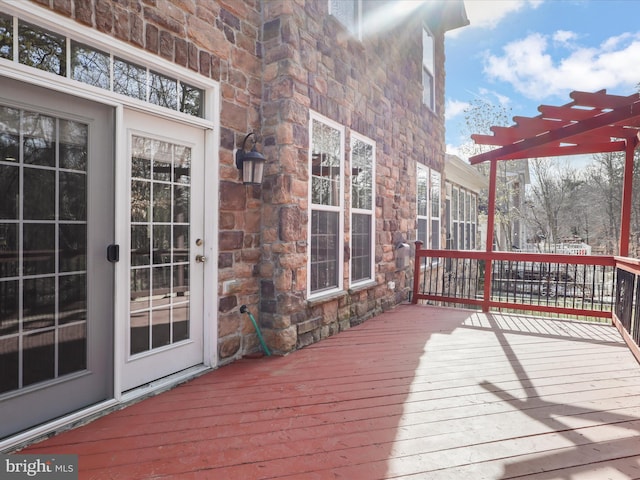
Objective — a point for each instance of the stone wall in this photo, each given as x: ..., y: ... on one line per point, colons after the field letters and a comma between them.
x: 276, y: 61
x: 372, y: 87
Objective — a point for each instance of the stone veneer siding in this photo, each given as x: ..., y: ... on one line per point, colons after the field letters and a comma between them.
x: 276, y: 60
x: 372, y: 87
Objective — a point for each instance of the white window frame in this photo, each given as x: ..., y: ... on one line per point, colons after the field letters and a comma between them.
x: 352, y: 25
x: 421, y: 171
x: 339, y: 209
x: 360, y: 211
x: 428, y: 69
x: 435, y: 212
x: 468, y: 225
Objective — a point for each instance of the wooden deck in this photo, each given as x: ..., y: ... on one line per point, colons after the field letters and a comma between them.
x: 416, y: 393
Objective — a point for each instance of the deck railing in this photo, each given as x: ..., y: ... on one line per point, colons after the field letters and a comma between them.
x: 581, y: 286
x: 626, y: 314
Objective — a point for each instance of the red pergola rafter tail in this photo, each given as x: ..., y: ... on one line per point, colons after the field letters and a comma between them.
x: 590, y: 122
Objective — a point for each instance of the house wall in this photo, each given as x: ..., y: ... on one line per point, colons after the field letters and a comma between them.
x: 276, y: 61
x: 372, y: 87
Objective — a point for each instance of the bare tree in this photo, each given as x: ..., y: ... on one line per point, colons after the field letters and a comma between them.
x: 552, y: 197
x: 480, y: 116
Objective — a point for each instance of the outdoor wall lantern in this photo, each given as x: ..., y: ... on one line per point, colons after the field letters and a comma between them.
x: 250, y: 163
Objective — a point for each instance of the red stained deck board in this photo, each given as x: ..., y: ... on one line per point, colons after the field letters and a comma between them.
x: 418, y: 392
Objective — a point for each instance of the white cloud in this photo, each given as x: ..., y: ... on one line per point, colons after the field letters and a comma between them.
x: 537, y: 71
x: 488, y: 14
x: 454, y: 108
x: 564, y: 37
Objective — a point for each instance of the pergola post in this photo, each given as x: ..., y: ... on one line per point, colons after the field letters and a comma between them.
x: 627, y: 195
x: 491, y: 213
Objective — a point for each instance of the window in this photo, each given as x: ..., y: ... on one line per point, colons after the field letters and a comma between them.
x: 327, y: 206
x: 348, y: 12
x: 464, y: 219
x: 362, y: 209
x: 435, y: 209
x: 45, y: 50
x: 428, y: 70
x: 422, y: 192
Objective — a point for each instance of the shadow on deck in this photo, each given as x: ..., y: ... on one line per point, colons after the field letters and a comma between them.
x: 416, y: 393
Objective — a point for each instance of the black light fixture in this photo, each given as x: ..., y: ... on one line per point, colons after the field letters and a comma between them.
x: 250, y: 163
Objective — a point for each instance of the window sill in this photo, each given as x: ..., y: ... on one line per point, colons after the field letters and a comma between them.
x: 320, y: 299
x: 358, y: 287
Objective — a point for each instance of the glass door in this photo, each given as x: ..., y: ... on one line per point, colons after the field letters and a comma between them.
x: 165, y: 320
x: 56, y: 285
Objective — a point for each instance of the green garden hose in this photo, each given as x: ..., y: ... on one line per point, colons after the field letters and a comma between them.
x: 244, y: 309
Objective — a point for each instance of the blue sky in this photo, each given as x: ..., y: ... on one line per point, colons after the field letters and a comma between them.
x: 524, y: 53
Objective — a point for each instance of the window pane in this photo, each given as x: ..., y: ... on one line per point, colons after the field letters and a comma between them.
x: 38, y: 357
x: 346, y: 12
x: 72, y: 240
x: 362, y: 175
x: 467, y: 206
x: 9, y: 188
x: 163, y: 91
x: 192, y: 100
x: 427, y: 90
x: 39, y: 139
x: 454, y: 203
x: 422, y: 191
x: 324, y: 250
x: 73, y: 145
x: 423, y: 232
x: 9, y: 309
x: 41, y: 49
x: 435, y: 194
x: 129, y: 79
x: 428, y: 70
x: 73, y: 196
x: 361, y: 247
x: 6, y: 37
x: 435, y: 234
x: 427, y: 51
x: 325, y: 165
x: 39, y: 197
x: 90, y: 66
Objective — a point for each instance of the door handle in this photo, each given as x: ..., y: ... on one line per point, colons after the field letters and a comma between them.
x: 201, y: 258
x: 113, y: 253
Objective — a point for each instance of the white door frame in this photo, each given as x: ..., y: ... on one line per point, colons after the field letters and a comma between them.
x: 210, y: 251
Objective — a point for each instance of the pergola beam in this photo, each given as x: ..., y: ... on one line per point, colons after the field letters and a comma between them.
x: 599, y: 120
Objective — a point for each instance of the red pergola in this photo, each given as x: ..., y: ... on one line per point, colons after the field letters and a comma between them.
x: 591, y: 123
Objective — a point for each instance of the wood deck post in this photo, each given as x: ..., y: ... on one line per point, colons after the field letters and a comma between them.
x: 627, y: 190
x: 416, y: 272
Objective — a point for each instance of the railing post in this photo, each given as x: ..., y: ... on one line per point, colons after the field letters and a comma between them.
x: 416, y: 272
x: 491, y: 212
x: 627, y: 189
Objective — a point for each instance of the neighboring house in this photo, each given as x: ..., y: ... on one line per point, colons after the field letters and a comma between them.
x: 463, y: 184
x: 128, y: 239
x: 510, y: 226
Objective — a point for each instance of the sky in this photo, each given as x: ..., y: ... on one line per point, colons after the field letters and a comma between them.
x: 524, y: 53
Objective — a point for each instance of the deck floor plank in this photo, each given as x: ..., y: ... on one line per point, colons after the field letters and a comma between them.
x: 417, y: 392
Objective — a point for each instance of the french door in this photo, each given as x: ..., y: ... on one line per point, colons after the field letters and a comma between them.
x: 165, y: 266
x: 56, y: 284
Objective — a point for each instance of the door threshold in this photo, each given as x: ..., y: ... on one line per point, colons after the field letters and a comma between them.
x: 162, y: 384
x: 46, y: 430
x: 80, y: 417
